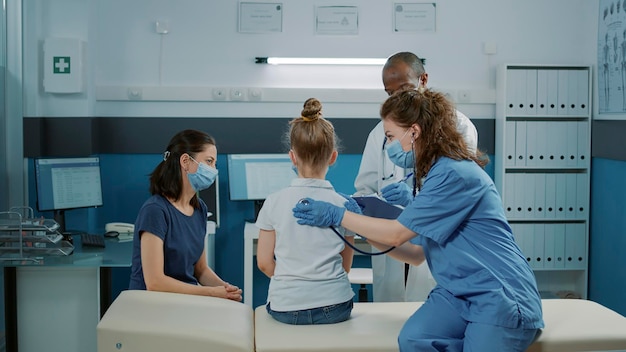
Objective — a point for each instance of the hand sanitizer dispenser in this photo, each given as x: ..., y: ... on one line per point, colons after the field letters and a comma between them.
x: 63, y: 65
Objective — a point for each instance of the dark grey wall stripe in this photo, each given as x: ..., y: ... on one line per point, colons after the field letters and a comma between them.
x: 133, y: 135
x: 608, y: 139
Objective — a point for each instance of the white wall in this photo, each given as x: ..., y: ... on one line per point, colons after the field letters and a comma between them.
x: 204, y: 49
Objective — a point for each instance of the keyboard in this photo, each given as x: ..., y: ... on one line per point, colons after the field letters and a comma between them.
x: 92, y: 240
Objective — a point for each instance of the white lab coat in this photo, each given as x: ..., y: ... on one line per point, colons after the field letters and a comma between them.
x: 377, y: 171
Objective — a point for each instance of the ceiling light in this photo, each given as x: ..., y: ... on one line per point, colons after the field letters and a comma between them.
x: 319, y: 61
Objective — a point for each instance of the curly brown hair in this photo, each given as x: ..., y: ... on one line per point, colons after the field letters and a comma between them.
x: 436, y: 116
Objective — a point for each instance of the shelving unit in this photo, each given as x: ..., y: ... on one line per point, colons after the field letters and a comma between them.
x: 22, y: 237
x: 543, y: 143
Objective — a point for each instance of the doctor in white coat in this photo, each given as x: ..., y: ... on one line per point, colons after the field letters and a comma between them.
x: 377, y: 171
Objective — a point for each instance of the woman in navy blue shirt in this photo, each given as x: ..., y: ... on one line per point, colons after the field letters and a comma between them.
x: 168, y: 252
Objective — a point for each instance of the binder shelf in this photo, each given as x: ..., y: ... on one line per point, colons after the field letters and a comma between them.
x: 543, y: 144
x: 23, y: 237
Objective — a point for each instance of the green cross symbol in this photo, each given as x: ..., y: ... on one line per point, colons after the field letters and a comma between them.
x: 61, y: 64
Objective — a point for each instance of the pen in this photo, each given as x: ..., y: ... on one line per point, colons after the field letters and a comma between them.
x: 405, y: 178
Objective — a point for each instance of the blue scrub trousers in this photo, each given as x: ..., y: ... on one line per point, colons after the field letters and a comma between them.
x: 437, y: 326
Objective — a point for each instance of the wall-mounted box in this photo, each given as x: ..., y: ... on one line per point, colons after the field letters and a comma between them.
x: 63, y: 65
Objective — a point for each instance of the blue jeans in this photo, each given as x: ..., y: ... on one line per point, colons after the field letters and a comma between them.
x: 335, y: 313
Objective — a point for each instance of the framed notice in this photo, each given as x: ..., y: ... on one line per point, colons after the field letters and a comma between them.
x: 414, y: 17
x: 338, y: 20
x: 260, y: 17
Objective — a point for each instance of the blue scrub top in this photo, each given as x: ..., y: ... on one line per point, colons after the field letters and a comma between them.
x: 470, y: 248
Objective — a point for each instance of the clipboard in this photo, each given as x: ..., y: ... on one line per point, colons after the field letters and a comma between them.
x: 375, y: 207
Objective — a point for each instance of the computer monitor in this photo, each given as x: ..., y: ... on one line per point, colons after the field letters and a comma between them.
x: 255, y: 176
x: 67, y: 183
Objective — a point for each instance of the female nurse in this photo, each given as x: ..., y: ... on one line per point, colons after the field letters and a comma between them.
x: 486, y: 297
x: 168, y: 251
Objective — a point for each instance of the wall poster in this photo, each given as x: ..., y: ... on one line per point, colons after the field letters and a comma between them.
x: 612, y: 57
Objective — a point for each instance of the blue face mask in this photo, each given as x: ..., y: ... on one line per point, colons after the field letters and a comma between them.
x: 398, y: 156
x: 203, y: 178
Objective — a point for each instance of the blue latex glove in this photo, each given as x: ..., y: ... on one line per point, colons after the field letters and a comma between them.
x: 398, y: 193
x: 318, y: 213
x: 351, y: 204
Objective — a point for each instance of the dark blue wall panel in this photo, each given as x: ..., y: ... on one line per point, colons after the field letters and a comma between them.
x: 607, y: 255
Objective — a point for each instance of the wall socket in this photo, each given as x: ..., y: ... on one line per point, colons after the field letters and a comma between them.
x: 134, y: 93
x: 237, y: 94
x: 219, y: 93
x: 255, y: 94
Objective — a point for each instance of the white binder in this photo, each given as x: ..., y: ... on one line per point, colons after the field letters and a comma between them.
x: 552, y: 90
x: 573, y: 108
x: 541, y: 140
x: 538, y: 246
x: 563, y: 93
x: 559, y: 245
x: 560, y: 144
x: 583, y: 145
x: 561, y: 188
x: 542, y: 92
x: 509, y: 147
x: 520, y: 196
x: 529, y: 195
x: 531, y: 144
x: 581, y: 249
x: 548, y: 246
x: 582, y: 196
x: 540, y: 196
x: 551, y: 143
x: 571, y: 188
x: 512, y: 95
x: 575, y: 246
x: 583, y: 92
x: 520, y: 143
x: 508, y: 195
x: 530, y: 103
x: 550, y: 196
x: 571, y: 155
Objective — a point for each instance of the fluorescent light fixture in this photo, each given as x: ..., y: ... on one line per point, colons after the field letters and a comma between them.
x: 319, y: 61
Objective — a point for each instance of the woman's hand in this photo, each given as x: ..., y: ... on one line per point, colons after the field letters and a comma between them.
x: 398, y: 193
x: 226, y: 291
x: 318, y: 213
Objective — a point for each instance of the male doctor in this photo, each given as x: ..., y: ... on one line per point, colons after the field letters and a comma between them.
x: 388, y: 171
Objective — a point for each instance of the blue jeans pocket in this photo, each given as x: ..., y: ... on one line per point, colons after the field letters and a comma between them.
x: 331, y: 314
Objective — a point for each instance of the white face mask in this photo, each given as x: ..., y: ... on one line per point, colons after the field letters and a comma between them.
x: 203, y: 178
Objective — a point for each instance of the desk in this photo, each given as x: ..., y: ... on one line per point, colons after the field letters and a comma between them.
x: 56, y: 304
x: 251, y: 235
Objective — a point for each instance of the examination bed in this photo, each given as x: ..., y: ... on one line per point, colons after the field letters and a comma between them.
x: 154, y: 321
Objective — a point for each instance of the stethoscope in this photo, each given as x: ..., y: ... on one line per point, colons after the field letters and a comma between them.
x: 306, y: 202
x: 385, y: 162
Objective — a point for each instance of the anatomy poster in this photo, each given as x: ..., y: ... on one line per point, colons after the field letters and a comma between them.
x: 612, y: 56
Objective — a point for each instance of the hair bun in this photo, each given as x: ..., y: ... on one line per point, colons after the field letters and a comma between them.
x: 312, y: 110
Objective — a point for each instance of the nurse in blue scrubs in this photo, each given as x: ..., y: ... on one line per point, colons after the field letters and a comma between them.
x: 486, y: 298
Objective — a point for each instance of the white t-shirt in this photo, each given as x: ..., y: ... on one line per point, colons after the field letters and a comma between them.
x: 309, y: 271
